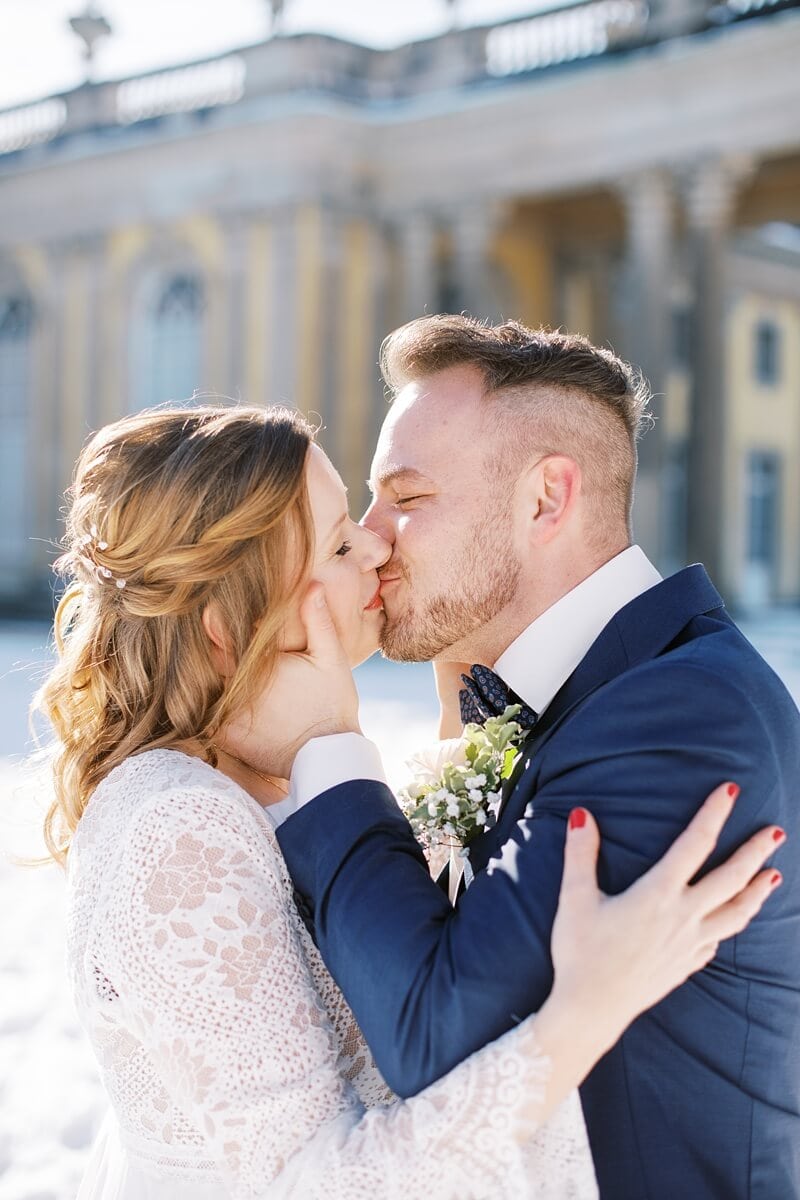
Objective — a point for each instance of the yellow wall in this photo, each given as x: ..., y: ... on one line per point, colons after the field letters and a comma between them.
x: 765, y: 418
x: 308, y: 313
x: 123, y: 248
x: 523, y: 251
x: 75, y: 365
x: 356, y: 349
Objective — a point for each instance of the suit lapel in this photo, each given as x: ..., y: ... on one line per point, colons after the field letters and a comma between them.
x: 639, y: 632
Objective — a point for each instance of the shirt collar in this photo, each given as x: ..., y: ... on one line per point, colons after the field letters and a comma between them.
x: 543, y: 657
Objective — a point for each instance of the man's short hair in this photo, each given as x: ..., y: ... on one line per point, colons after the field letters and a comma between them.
x: 556, y: 393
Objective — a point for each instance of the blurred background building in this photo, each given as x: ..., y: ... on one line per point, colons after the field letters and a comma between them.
x: 253, y: 224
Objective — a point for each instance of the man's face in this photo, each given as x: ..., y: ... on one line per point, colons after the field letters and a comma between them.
x: 442, y: 500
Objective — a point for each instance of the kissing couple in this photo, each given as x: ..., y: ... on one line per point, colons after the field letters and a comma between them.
x: 282, y: 1000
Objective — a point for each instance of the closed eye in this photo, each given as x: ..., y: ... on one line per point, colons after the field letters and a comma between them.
x: 344, y: 549
x: 407, y: 499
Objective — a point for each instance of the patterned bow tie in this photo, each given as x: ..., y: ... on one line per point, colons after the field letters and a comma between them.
x: 485, y: 695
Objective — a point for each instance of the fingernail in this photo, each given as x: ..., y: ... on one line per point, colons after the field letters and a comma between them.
x: 776, y: 879
x: 733, y: 790
x: 779, y: 835
x: 319, y: 599
x: 577, y: 818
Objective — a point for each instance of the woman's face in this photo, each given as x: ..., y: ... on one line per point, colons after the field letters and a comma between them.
x: 346, y: 560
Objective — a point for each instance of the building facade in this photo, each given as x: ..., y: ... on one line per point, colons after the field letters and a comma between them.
x: 254, y: 225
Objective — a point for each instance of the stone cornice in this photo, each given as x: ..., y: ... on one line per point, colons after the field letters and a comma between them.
x: 735, y: 90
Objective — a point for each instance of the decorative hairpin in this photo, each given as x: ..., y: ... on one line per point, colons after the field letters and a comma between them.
x: 93, y: 540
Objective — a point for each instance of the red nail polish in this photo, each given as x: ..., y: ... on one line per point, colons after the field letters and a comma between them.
x: 776, y: 879
x: 577, y: 818
x: 733, y: 790
x: 778, y: 835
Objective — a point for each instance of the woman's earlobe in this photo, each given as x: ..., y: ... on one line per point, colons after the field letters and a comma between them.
x: 217, y: 634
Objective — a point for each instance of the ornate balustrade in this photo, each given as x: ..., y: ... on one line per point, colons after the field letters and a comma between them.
x: 313, y: 63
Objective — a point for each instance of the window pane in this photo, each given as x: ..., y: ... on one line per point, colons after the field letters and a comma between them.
x: 763, y: 508
x: 16, y: 324
x: 16, y: 318
x: 767, y: 352
x: 681, y: 337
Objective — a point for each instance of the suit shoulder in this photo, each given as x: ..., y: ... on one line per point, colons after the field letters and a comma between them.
x: 708, y: 691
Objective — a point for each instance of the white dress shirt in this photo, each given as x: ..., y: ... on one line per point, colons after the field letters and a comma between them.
x: 535, y: 666
x: 540, y: 661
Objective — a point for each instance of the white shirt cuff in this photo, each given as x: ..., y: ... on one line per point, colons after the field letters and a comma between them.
x: 324, y: 763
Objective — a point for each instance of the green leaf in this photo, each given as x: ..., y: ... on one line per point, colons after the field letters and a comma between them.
x: 509, y: 761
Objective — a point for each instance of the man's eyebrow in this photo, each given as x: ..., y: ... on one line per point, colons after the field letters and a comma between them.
x: 393, y: 474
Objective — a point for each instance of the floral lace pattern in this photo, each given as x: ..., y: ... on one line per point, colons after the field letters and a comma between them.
x: 227, y: 1050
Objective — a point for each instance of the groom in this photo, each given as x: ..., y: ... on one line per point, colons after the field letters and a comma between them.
x: 503, y: 478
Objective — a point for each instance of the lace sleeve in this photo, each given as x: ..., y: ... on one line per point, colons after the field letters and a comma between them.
x: 209, y: 974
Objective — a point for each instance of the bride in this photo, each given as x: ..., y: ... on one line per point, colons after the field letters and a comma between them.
x: 196, y: 541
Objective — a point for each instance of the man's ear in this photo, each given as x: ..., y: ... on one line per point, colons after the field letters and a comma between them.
x: 220, y: 648
x: 550, y: 491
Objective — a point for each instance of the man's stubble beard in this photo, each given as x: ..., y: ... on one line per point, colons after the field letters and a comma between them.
x: 485, y: 580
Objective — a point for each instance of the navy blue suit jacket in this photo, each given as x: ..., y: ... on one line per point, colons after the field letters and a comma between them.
x: 701, y: 1096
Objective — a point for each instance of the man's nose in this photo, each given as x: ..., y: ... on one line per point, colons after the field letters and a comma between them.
x: 376, y: 520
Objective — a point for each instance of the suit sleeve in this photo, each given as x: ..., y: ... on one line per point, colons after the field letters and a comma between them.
x: 430, y: 984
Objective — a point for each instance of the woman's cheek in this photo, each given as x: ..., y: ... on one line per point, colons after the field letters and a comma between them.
x: 293, y: 636
x: 343, y: 602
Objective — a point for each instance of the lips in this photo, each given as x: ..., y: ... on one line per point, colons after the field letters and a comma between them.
x: 375, y: 602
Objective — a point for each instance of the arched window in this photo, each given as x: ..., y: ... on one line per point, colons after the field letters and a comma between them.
x: 168, y: 363
x: 16, y: 326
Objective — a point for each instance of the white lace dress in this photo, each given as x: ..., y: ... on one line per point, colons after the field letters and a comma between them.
x: 232, y: 1064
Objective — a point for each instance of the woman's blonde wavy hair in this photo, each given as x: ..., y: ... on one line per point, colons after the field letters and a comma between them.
x: 188, y: 506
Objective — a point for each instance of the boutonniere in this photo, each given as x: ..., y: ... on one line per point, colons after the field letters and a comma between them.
x: 456, y: 789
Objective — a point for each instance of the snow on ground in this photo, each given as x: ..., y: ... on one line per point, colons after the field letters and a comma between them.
x: 51, y: 1103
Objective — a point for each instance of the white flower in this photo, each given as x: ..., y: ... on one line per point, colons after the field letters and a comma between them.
x: 475, y: 781
x: 458, y: 801
x: 427, y: 765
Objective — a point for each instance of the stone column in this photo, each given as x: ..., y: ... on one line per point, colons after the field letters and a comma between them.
x: 235, y: 271
x: 317, y: 260
x: 417, y: 245
x: 98, y: 292
x: 259, y: 310
x: 473, y: 229
x: 41, y: 499
x: 356, y: 385
x: 74, y: 307
x: 648, y: 201
x: 330, y: 299
x: 710, y: 191
x: 283, y: 301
